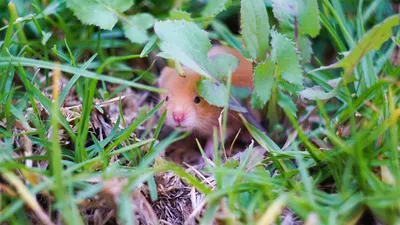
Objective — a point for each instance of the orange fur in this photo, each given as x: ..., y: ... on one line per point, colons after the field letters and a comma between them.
x: 181, y: 92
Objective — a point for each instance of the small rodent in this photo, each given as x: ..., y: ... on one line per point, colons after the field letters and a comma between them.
x: 186, y: 110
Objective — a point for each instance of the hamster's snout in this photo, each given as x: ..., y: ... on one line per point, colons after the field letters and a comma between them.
x: 179, y: 117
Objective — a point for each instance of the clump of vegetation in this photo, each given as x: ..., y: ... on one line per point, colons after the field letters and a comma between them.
x: 81, y: 141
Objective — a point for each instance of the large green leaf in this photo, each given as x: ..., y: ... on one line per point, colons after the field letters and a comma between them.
x: 255, y: 28
x: 135, y: 27
x: 214, y: 7
x: 373, y: 40
x: 285, y: 56
x: 303, y: 46
x: 222, y: 64
x: 213, y: 93
x: 185, y: 42
x: 304, y: 11
x: 102, y: 13
x: 264, y: 80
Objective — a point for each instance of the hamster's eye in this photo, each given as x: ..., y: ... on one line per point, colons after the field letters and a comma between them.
x: 166, y: 99
x: 197, y: 99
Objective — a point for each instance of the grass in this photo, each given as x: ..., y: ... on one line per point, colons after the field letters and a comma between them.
x: 81, y: 142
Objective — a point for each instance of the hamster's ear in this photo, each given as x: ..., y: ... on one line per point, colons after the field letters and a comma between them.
x: 165, y: 73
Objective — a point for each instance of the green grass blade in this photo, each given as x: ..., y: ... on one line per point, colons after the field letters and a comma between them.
x: 69, y: 69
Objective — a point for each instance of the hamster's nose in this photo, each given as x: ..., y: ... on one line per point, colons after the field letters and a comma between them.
x: 179, y: 117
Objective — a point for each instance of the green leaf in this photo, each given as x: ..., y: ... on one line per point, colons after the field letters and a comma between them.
x: 135, y: 27
x: 185, y: 42
x: 255, y: 28
x: 240, y: 93
x: 285, y: 56
x: 256, y: 102
x: 283, y: 11
x: 177, y: 14
x: 262, y: 139
x: 149, y: 46
x: 288, y: 87
x: 317, y: 93
x: 214, y: 7
x: 264, y: 80
x: 305, y: 11
x: 222, y: 64
x: 102, y: 13
x: 286, y: 103
x: 305, y: 49
x: 231, y: 163
x: 304, y: 46
x: 215, y: 94
x: 308, y: 17
x: 373, y: 40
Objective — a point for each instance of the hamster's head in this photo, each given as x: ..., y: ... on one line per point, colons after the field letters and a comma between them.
x: 186, y: 110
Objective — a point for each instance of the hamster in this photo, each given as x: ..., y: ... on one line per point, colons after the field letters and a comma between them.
x: 187, y: 111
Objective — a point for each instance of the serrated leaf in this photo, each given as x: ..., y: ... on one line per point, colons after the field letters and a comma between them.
x: 256, y: 102
x: 285, y: 56
x: 284, y: 12
x: 215, y: 94
x: 303, y: 44
x: 222, y: 64
x: 288, y: 87
x: 102, y: 13
x: 286, y: 103
x: 176, y: 14
x: 305, y: 11
x: 185, y: 42
x: 255, y: 28
x: 214, y: 7
x: 264, y: 80
x: 135, y: 28
x: 372, y: 40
